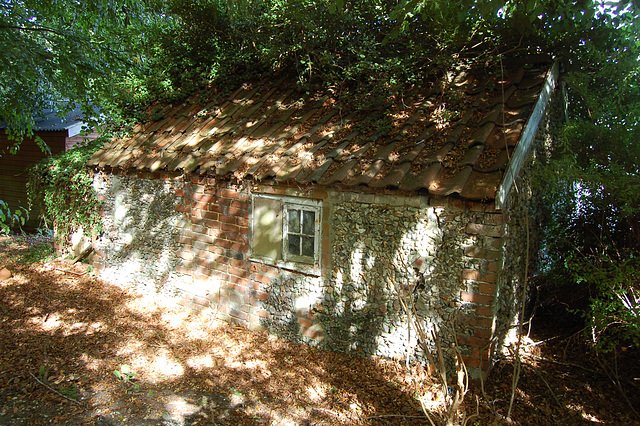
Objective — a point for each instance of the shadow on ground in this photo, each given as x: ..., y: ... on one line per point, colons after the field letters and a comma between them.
x: 64, y: 333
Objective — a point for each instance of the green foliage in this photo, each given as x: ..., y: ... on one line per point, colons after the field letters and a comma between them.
x: 52, y: 51
x: 38, y: 253
x: 10, y: 219
x: 62, y: 189
x: 593, y: 188
x: 124, y: 373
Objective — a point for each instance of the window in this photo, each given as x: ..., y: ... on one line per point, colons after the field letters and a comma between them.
x: 285, y: 231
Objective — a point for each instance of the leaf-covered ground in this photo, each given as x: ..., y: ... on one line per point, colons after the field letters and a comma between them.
x: 76, y: 350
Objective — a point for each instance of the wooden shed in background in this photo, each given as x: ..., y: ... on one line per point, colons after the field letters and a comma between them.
x: 60, y: 134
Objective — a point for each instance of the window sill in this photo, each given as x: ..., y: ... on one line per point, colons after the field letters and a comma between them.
x: 290, y: 266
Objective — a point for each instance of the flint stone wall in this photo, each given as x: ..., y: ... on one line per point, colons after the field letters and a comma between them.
x: 189, y: 238
x: 139, y: 242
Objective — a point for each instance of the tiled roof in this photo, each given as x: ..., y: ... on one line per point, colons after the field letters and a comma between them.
x: 452, y: 140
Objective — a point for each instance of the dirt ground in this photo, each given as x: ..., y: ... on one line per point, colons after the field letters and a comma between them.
x: 76, y: 350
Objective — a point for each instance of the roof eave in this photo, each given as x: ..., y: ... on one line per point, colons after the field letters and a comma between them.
x: 528, y: 136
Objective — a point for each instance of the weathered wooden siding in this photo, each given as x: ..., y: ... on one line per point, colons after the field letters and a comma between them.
x: 13, y: 168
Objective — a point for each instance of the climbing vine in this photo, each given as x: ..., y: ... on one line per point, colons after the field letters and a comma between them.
x: 60, y: 187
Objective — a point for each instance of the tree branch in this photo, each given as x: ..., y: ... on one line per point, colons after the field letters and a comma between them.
x: 55, y: 391
x: 38, y: 29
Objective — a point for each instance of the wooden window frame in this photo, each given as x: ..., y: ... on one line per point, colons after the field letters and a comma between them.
x: 304, y: 264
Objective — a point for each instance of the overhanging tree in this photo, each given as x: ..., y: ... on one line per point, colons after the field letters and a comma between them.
x: 54, y: 52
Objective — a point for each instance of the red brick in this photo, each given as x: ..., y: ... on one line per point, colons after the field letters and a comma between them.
x: 304, y: 322
x: 209, y: 215
x: 231, y: 228
x: 235, y: 211
x: 484, y: 311
x: 474, y: 342
x: 238, y: 281
x: 215, y: 249
x: 494, y: 219
x: 480, y: 253
x: 269, y: 269
x: 486, y: 230
x: 263, y: 279
x: 200, y: 276
x: 469, y: 361
x: 229, y: 193
x: 185, y: 239
x: 179, y: 193
x: 223, y: 243
x: 262, y: 296
x: 240, y: 247
x: 212, y: 223
x: 476, y: 298
x: 238, y: 315
x: 198, y: 229
x: 182, y: 208
x: 203, y: 198
x: 474, y: 320
x: 493, y: 266
x: 493, y: 243
x: 326, y: 228
x: 482, y: 333
x: 196, y: 213
x: 489, y: 289
x: 227, y: 219
x: 214, y: 207
x: 469, y: 274
x: 240, y: 272
x: 201, y: 205
x: 312, y: 334
x: 183, y: 270
x: 489, y: 278
x: 237, y: 263
x: 482, y: 354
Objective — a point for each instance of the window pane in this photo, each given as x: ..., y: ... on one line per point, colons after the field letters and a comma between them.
x: 294, y: 221
x: 294, y: 245
x: 308, y: 222
x: 307, y: 246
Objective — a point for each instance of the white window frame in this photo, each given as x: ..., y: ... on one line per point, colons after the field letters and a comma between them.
x: 303, y: 264
x: 300, y: 206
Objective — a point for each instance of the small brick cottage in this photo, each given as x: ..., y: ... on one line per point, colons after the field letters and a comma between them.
x: 283, y: 212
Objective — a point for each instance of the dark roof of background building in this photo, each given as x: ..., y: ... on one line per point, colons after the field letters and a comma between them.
x: 50, y: 121
x: 444, y: 139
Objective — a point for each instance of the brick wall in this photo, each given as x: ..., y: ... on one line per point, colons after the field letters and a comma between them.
x: 202, y: 256
x: 477, y: 325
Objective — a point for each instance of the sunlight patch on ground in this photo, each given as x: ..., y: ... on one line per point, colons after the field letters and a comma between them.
x: 202, y: 362
x: 158, y: 366
x: 91, y: 363
x: 580, y: 409
x: 52, y: 322
x: 130, y: 347
x: 317, y: 392
x: 179, y: 408
x: 258, y: 368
